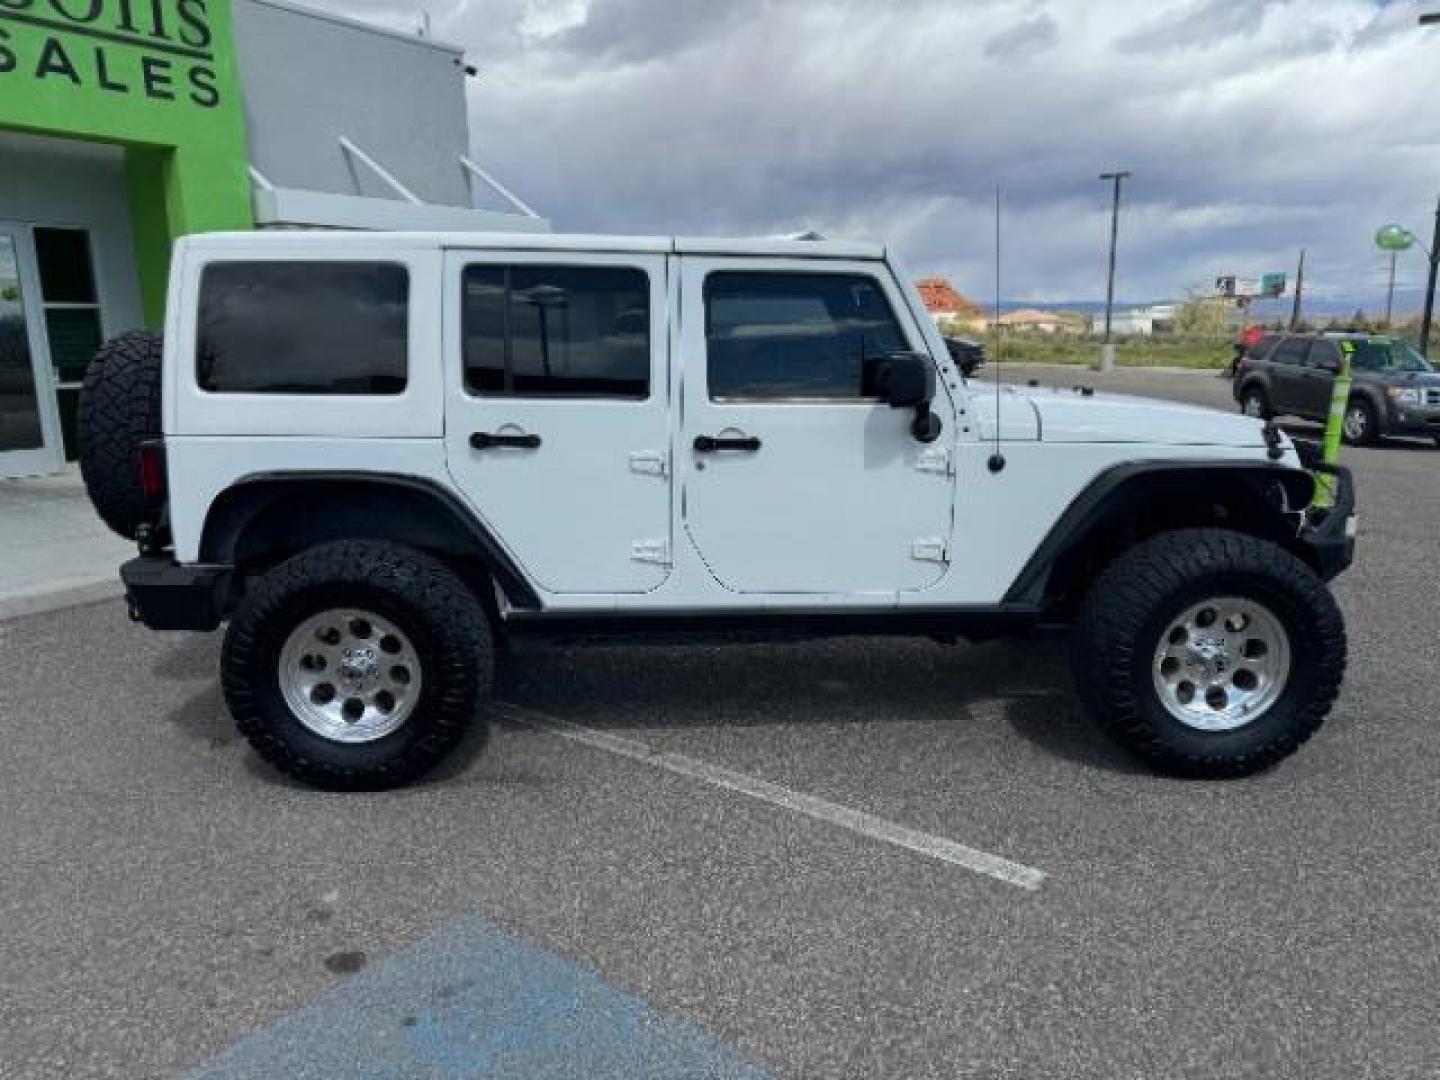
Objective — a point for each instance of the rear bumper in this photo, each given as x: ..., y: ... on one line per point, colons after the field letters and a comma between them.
x: 1330, y: 538
x: 167, y: 596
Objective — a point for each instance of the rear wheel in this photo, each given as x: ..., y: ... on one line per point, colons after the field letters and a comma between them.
x: 1361, y: 427
x: 357, y: 664
x: 1209, y: 653
x: 1253, y: 402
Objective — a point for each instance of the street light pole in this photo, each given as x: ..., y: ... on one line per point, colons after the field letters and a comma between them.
x: 1430, y: 288
x: 1299, y: 292
x: 1390, y: 292
x: 1116, y: 178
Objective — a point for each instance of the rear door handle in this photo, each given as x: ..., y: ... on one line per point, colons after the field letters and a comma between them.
x: 710, y: 444
x: 487, y: 440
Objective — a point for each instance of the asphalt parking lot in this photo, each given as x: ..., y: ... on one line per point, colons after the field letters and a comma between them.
x: 665, y: 871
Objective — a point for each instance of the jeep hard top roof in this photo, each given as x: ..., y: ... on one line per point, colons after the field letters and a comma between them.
x: 238, y: 243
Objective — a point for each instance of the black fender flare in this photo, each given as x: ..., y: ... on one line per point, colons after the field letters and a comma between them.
x: 409, y: 509
x: 1121, y: 487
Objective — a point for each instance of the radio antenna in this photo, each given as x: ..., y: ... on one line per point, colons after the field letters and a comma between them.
x: 997, y: 459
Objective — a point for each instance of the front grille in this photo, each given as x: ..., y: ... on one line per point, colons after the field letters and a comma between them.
x: 1432, y: 396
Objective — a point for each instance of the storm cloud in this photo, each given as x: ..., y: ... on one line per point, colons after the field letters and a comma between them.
x: 1253, y: 127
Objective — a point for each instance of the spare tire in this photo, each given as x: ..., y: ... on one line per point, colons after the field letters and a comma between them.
x: 120, y: 410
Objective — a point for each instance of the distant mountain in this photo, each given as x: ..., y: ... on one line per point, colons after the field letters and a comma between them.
x: 1408, y: 302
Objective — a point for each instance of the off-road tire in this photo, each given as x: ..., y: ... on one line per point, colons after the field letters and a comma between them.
x: 119, y: 410
x: 1127, y: 610
x: 434, y: 608
x: 1257, y: 393
x: 1371, y: 433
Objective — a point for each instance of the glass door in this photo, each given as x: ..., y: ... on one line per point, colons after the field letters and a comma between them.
x: 29, y: 429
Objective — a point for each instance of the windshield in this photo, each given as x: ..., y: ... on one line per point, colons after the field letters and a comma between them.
x: 1382, y: 354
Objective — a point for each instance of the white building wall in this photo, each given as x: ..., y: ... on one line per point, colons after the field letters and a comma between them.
x: 309, y: 78
x: 78, y: 185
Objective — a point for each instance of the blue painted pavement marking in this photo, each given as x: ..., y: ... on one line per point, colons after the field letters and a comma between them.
x: 471, y: 1001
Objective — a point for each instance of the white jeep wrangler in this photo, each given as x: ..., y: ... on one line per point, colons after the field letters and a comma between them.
x: 379, y: 455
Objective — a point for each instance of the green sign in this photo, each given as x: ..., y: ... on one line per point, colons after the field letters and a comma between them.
x: 128, y: 47
x: 1394, y: 238
x: 1272, y: 285
x: 157, y: 77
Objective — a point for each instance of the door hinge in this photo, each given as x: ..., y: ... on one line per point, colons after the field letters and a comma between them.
x: 930, y: 549
x: 650, y: 462
x: 936, y: 459
x: 651, y: 551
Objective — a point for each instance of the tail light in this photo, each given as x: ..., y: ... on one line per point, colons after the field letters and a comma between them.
x: 152, y: 471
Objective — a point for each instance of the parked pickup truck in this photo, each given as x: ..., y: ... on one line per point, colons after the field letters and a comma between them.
x: 377, y: 456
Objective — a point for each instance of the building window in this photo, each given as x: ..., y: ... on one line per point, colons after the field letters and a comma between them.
x: 557, y: 331
x: 69, y: 301
x: 303, y: 328
x: 790, y: 336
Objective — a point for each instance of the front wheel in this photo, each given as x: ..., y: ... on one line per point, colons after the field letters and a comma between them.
x: 357, y: 664
x: 1253, y: 402
x: 1209, y: 653
x: 1361, y: 427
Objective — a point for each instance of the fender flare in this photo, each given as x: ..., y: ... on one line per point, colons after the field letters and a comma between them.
x: 1116, y: 490
x: 456, y: 530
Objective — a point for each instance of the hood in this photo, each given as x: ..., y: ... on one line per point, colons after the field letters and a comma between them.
x: 1068, y: 416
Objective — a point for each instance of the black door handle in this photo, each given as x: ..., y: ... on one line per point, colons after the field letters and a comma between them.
x: 485, y: 440
x: 709, y: 444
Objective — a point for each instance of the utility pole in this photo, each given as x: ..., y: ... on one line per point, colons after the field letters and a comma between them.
x: 1299, y: 290
x: 1107, y: 356
x: 1430, y: 288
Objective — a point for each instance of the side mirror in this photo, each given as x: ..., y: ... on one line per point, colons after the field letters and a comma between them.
x: 908, y: 380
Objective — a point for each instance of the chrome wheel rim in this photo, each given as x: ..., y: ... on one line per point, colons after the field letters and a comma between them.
x: 349, y: 675
x: 1222, y: 663
x: 1254, y: 406
x: 1356, y: 423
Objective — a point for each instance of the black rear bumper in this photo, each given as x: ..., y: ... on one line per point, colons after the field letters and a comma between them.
x: 1330, y: 534
x: 167, y: 596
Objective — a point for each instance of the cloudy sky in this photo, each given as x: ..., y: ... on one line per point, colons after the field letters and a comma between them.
x: 1253, y: 127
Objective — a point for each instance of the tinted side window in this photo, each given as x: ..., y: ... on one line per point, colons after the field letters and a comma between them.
x: 557, y: 331
x: 778, y: 335
x: 1261, y: 349
x: 1290, y: 351
x: 1323, y: 354
x: 303, y: 328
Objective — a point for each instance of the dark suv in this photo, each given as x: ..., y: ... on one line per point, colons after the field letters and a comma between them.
x: 1395, y: 392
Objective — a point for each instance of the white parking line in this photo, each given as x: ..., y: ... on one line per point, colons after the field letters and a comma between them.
x: 927, y: 844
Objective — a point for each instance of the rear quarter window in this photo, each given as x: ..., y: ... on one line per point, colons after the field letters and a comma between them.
x: 303, y: 328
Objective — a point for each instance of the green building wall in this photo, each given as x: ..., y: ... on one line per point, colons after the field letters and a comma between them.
x: 156, y: 77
